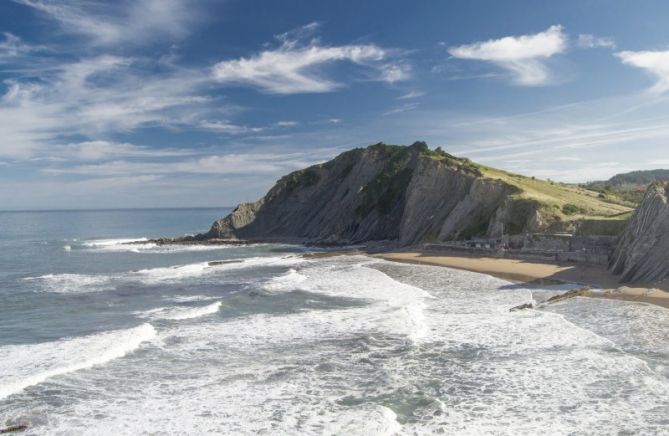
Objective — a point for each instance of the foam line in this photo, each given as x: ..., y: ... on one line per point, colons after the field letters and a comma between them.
x: 29, y: 365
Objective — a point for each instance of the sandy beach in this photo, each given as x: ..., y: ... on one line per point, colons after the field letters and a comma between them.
x: 539, y: 273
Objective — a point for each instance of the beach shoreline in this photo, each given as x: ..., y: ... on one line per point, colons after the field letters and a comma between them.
x: 537, y: 273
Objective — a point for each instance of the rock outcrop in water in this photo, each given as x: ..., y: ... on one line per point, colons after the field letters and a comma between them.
x: 407, y: 195
x: 641, y: 253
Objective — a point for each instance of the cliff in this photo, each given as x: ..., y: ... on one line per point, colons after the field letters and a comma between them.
x: 641, y: 253
x: 407, y: 195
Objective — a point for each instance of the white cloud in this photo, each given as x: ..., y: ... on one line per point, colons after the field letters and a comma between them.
x: 102, y: 150
x: 234, y: 163
x: 404, y: 108
x: 586, y: 40
x: 286, y: 123
x: 410, y: 95
x: 126, y: 21
x: 654, y: 62
x: 294, y: 68
x: 392, y: 73
x: 13, y: 46
x: 523, y: 55
x: 93, y: 97
x: 229, y: 128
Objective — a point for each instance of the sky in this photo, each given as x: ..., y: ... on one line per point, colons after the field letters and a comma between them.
x: 191, y: 103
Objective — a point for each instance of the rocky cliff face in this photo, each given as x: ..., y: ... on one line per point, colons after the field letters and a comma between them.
x: 641, y: 253
x: 404, y: 194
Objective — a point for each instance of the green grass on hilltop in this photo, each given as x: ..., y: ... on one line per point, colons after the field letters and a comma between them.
x: 568, y: 202
x: 562, y: 201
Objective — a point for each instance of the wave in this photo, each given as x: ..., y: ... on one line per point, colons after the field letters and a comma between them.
x: 368, y: 419
x: 111, y: 242
x: 29, y: 365
x: 75, y: 283
x: 181, y: 313
x: 352, y: 277
x: 188, y: 298
x: 141, y: 245
x: 170, y: 273
x: 286, y: 282
x: 72, y: 283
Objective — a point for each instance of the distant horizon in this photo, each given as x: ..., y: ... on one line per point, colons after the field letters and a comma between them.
x: 119, y: 209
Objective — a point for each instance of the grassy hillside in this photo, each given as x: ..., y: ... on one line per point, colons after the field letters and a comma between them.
x: 628, y: 188
x: 565, y: 203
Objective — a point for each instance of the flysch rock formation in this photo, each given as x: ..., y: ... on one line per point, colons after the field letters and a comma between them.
x: 407, y: 195
x: 642, y: 253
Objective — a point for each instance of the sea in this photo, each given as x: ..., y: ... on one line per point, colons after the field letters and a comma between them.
x: 102, y: 337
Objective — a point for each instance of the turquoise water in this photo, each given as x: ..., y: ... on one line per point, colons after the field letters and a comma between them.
x: 100, y: 337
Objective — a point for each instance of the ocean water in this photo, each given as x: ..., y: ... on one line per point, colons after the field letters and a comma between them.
x: 98, y: 337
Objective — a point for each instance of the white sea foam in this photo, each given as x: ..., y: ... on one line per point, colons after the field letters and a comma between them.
x: 188, y: 298
x: 27, y: 365
x: 286, y: 282
x: 365, y: 420
x: 475, y: 368
x: 171, y: 273
x: 398, y: 307
x: 141, y: 245
x: 74, y: 283
x: 111, y: 242
x: 181, y: 313
x: 179, y: 272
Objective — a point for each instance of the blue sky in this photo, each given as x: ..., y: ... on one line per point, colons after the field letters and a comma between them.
x: 168, y: 103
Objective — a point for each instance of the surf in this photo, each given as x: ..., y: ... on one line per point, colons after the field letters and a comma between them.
x: 33, y: 364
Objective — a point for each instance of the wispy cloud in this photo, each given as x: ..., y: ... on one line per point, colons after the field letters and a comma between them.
x: 587, y: 40
x: 411, y: 95
x: 93, y: 97
x: 401, y: 109
x: 286, y: 123
x: 229, y: 128
x: 295, y: 67
x: 656, y: 63
x: 125, y: 21
x: 103, y: 150
x: 523, y: 56
x: 392, y: 73
x: 231, y: 163
x: 13, y: 46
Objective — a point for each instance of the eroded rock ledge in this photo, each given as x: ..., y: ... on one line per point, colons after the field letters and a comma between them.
x: 642, y: 253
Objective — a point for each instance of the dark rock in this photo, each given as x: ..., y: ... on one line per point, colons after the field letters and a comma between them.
x: 407, y: 195
x: 14, y: 428
x: 222, y: 262
x: 641, y: 253
x: 522, y: 307
x: 582, y: 292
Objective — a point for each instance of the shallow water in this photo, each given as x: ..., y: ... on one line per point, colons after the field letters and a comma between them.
x: 98, y: 337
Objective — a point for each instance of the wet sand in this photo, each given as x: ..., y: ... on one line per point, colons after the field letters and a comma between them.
x: 535, y: 272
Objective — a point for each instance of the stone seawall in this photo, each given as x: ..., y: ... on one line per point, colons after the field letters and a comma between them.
x: 594, y: 250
